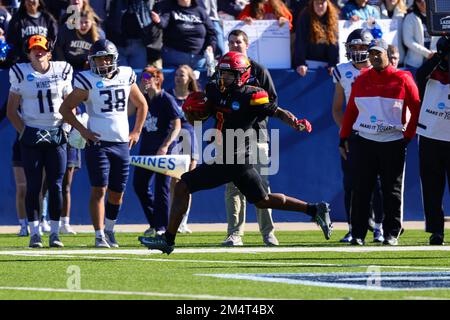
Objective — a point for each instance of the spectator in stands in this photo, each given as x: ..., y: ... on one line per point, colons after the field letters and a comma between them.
x: 161, y: 129
x: 41, y: 136
x: 211, y: 9
x: 185, y: 83
x: 378, y: 108
x: 317, y: 36
x: 5, y: 17
x: 31, y: 18
x: 393, y: 55
x: 420, y: 44
x: 127, y: 26
x: 395, y: 9
x: 57, y: 8
x: 230, y: 9
x: 73, y: 44
x: 266, y: 10
x: 187, y: 33
x: 434, y: 138
x: 70, y: 13
x: 355, y: 10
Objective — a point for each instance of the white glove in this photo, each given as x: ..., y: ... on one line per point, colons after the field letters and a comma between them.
x: 75, y: 138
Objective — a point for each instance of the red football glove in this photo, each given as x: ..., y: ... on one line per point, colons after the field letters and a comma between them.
x: 196, y: 101
x: 303, y: 125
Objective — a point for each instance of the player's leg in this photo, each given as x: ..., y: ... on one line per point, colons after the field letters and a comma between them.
x: 32, y: 160
x: 98, y: 167
x: 21, y: 189
x: 190, y: 182
x: 55, y: 168
x: 251, y: 185
x: 119, y: 158
x: 162, y: 202
x: 432, y: 178
x: 73, y: 164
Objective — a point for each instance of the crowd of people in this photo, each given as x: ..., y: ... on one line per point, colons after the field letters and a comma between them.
x: 90, y: 47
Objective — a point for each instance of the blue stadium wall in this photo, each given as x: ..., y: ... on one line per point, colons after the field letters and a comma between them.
x: 309, y: 163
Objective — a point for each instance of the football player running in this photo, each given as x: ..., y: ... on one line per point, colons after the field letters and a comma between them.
x: 105, y: 90
x: 38, y: 89
x: 235, y: 106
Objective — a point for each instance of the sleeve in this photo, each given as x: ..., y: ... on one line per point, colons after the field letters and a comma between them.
x: 211, y: 38
x: 267, y: 84
x: 52, y: 29
x: 408, y: 36
x: 132, y: 79
x: 245, y: 13
x: 15, y: 78
x: 301, y: 40
x: 259, y: 100
x: 424, y: 72
x: 351, y: 112
x: 81, y: 82
x: 412, y: 102
x: 67, y: 76
x: 172, y: 110
x: 333, y: 54
x: 337, y: 75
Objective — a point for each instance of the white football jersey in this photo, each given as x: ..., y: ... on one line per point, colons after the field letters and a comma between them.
x: 41, y: 93
x: 345, y: 73
x: 107, y: 103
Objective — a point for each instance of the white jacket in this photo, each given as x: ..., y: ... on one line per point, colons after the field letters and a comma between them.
x: 413, y: 39
x: 399, y: 17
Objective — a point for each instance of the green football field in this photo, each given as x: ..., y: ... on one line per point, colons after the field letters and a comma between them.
x: 304, y: 266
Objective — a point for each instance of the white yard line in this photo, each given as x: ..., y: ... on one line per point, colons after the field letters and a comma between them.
x: 237, y: 262
x: 245, y: 250
x: 128, y: 293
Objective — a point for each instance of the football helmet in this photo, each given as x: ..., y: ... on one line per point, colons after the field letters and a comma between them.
x: 103, y: 48
x: 236, y: 63
x: 358, y: 37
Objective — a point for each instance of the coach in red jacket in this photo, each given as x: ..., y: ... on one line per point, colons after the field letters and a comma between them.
x: 383, y: 109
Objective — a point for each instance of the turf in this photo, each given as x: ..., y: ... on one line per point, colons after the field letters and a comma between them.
x: 178, y: 276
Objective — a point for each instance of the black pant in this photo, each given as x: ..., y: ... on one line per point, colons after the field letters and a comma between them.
x: 434, y: 157
x: 376, y: 212
x: 370, y: 159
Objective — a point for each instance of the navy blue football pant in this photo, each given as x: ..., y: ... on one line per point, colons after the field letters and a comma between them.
x: 54, y: 161
x: 434, y: 158
x: 154, y: 203
x: 370, y: 160
x: 376, y: 211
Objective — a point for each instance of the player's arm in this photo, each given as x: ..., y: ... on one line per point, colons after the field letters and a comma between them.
x: 338, y: 101
x: 173, y: 134
x: 67, y: 110
x: 292, y: 121
x: 12, y: 112
x: 138, y: 100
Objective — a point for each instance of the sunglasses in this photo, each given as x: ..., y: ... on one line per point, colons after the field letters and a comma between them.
x: 147, y: 76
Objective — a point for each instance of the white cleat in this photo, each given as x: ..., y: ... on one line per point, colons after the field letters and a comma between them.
x: 67, y: 229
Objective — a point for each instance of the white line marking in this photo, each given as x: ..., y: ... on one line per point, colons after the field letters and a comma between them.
x: 233, y: 250
x: 425, y: 298
x: 130, y: 293
x: 235, y: 262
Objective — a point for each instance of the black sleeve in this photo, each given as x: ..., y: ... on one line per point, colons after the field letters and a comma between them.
x: 211, y: 38
x: 301, y: 40
x: 424, y: 72
x: 3, y: 111
x: 13, y: 40
x: 52, y: 28
x: 265, y: 81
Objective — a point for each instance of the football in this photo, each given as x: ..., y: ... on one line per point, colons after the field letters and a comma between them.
x: 196, y: 107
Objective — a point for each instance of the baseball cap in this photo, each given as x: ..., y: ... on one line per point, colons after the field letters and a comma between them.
x: 378, y: 44
x: 38, y: 41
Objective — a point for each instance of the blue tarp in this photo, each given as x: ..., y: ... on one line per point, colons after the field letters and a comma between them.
x: 309, y: 163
